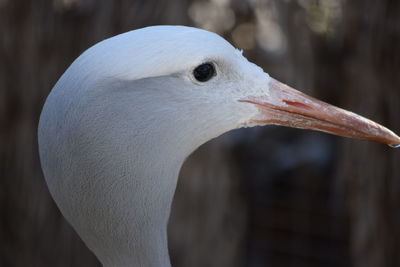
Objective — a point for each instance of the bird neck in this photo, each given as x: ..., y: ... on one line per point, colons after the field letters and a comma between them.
x: 136, y: 196
x: 125, y: 221
x: 137, y: 231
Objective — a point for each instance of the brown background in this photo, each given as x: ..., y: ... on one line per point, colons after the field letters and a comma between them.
x: 256, y: 197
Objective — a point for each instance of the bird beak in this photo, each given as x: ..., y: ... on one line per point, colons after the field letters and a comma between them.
x: 289, y: 107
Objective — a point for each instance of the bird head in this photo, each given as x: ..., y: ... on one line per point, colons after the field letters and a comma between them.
x: 118, y: 124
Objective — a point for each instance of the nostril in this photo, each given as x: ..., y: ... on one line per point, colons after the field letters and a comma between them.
x: 297, y: 104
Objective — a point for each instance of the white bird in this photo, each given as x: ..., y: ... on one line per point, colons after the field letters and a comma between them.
x: 121, y: 120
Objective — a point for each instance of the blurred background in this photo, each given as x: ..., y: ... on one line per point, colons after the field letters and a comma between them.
x: 266, y: 196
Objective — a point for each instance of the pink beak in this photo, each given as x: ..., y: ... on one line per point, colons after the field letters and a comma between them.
x: 289, y: 107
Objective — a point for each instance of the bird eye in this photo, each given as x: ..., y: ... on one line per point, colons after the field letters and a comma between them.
x: 204, y: 72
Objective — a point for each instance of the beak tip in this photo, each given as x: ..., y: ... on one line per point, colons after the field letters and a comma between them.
x: 395, y: 142
x: 390, y: 138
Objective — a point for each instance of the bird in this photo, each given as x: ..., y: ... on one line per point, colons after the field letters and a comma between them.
x: 119, y: 123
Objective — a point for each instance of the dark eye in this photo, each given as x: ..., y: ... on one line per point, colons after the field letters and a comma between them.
x: 204, y: 72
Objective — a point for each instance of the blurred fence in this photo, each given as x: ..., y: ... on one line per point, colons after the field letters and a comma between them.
x: 255, y: 197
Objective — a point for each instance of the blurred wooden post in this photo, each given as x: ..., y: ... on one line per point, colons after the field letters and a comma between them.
x: 372, y: 171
